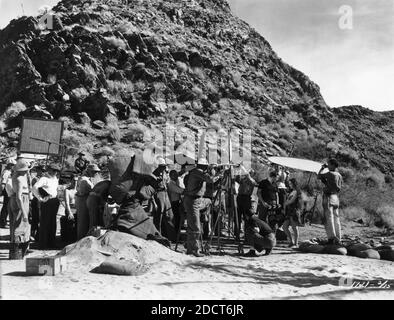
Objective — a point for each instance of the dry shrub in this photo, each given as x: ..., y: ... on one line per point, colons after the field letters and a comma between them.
x: 126, y: 27
x: 386, y: 215
x: 114, y: 132
x: 116, y: 42
x: 182, y: 67
x: 357, y: 213
x: 13, y: 110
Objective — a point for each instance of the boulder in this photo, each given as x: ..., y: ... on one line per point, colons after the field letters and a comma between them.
x: 387, y: 255
x: 309, y: 247
x: 119, y: 267
x: 180, y: 56
x: 368, y: 254
x: 335, y: 249
x: 355, y: 248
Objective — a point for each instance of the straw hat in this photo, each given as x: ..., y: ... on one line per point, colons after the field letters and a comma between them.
x: 202, y: 162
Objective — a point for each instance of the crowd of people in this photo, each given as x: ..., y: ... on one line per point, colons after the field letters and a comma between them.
x: 157, y: 206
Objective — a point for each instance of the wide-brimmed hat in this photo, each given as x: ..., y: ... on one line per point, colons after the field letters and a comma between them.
x: 202, y: 162
x: 21, y: 165
x: 94, y: 168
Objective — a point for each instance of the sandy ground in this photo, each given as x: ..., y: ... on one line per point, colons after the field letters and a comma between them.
x: 285, y: 274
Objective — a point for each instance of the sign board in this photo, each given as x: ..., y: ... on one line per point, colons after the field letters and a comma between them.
x: 41, y: 136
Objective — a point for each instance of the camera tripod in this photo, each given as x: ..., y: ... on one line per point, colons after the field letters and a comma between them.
x: 230, y: 208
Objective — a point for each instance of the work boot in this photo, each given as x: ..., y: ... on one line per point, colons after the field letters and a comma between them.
x: 195, y: 253
x: 251, y: 253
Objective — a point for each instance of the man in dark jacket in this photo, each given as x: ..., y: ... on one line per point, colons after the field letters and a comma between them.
x: 195, y: 189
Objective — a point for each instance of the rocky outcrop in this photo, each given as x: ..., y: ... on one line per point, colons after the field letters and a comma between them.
x: 164, y: 60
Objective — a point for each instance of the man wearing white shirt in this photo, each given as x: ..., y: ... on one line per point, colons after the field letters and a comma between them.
x: 45, y: 190
x: 5, y: 176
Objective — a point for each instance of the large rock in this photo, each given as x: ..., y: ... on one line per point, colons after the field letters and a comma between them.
x: 354, y: 249
x: 335, y: 249
x: 368, y: 254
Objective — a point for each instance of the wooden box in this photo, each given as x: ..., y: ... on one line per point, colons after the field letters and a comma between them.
x: 47, y: 265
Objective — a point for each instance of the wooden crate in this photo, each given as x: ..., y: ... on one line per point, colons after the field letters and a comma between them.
x: 46, y: 265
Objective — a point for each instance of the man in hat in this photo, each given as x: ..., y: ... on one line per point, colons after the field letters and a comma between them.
x: 268, y: 196
x: 19, y: 210
x: 163, y: 216
x: 244, y: 197
x: 45, y: 190
x: 195, y: 189
x: 81, y: 163
x: 332, y: 181
x: 5, y: 176
x: 85, y: 185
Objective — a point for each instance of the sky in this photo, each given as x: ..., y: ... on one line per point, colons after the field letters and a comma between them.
x: 352, y: 66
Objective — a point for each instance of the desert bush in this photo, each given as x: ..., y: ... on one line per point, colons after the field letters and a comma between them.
x: 357, y: 213
x: 386, y: 214
x: 388, y: 179
x: 117, y: 88
x: 284, y: 144
x: 310, y: 148
x: 199, y: 72
x: 348, y: 156
x: 199, y: 94
x: 126, y: 27
x: 347, y: 174
x: 13, y: 110
x: 286, y: 133
x: 114, y: 132
x: 79, y: 93
x: 107, y: 151
x: 116, y: 42
x: 181, y: 67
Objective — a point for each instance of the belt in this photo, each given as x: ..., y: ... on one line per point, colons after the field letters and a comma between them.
x: 95, y: 194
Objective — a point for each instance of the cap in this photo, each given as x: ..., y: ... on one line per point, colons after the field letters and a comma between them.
x: 81, y: 153
x: 21, y: 165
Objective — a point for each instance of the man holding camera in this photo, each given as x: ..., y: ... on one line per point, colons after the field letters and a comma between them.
x: 332, y: 181
x: 194, y: 202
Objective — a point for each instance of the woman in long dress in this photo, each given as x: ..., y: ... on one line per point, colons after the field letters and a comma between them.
x: 19, y: 211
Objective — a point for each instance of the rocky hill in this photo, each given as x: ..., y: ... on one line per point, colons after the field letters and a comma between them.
x: 113, y: 70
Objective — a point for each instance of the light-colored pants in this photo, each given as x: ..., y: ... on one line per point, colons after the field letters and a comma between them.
x: 193, y: 208
x: 82, y: 217
x: 331, y: 214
